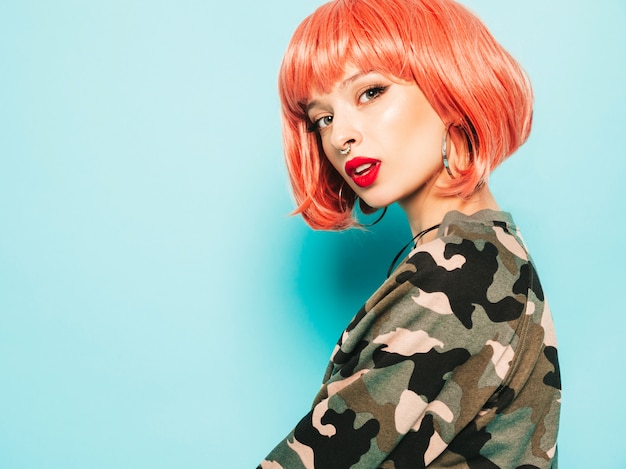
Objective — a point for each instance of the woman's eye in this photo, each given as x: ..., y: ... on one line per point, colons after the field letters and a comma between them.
x: 372, y: 93
x: 321, y: 123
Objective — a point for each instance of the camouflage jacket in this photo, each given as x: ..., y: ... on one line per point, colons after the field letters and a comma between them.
x: 451, y: 363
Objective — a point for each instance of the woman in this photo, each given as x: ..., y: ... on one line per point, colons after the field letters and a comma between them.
x: 452, y: 362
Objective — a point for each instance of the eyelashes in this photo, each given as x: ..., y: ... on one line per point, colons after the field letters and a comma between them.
x: 316, y: 126
x: 371, y: 93
x: 312, y: 126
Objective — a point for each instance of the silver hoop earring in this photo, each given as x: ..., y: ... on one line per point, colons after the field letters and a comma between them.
x: 364, y: 208
x: 444, y: 151
x: 346, y: 150
x: 342, y: 203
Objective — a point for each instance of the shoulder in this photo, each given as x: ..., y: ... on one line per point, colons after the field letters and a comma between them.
x: 476, y: 264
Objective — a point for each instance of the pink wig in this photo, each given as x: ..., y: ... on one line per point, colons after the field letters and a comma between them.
x: 468, y: 78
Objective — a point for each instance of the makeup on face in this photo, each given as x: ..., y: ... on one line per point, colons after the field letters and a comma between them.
x: 393, y: 132
x: 363, y: 171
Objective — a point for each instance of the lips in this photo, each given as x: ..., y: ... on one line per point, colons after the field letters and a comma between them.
x: 363, y: 171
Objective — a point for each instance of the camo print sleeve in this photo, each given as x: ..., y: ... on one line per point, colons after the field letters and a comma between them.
x: 451, y: 363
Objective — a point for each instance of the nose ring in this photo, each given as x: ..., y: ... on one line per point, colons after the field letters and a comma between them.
x: 346, y: 150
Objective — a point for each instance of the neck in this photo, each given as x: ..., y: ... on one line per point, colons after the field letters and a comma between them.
x: 427, y: 207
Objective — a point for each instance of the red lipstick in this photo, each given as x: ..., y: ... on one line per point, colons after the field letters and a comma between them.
x: 363, y: 171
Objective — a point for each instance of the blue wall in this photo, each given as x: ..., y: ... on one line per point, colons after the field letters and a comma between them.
x: 158, y: 308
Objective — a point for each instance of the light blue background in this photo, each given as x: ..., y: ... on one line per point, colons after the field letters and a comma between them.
x: 158, y: 308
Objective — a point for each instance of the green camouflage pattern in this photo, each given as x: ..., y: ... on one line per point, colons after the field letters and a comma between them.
x: 452, y: 363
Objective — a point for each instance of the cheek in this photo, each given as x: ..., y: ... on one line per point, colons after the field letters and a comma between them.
x: 411, y: 120
x: 408, y: 123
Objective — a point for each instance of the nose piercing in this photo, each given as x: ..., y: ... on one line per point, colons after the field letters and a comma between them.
x: 346, y: 150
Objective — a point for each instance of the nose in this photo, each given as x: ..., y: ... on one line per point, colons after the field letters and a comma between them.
x: 346, y: 133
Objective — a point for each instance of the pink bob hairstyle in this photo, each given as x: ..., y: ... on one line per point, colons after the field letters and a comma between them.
x: 471, y: 82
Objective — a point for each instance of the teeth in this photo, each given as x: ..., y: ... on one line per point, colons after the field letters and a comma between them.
x: 362, y: 168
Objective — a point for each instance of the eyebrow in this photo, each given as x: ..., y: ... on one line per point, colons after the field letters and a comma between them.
x: 342, y: 84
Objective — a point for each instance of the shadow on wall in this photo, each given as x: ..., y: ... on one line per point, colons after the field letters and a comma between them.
x: 339, y: 271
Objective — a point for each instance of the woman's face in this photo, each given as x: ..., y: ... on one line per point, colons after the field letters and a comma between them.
x: 394, y: 135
